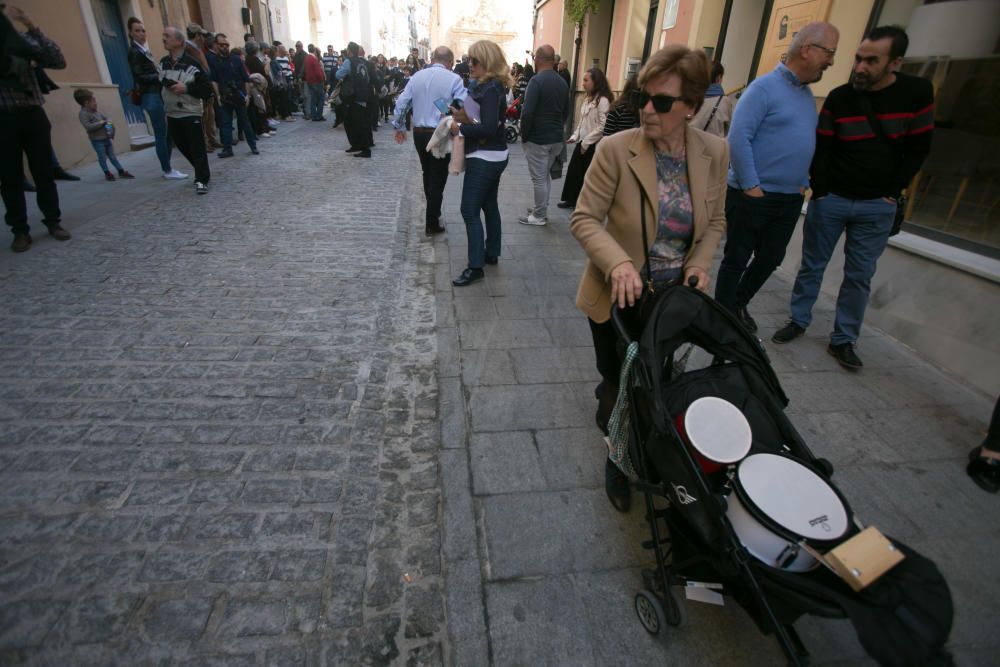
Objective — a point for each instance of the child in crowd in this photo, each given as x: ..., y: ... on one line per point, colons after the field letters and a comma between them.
x: 101, y: 131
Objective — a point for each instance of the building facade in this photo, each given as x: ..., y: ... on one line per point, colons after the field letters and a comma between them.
x: 938, y: 285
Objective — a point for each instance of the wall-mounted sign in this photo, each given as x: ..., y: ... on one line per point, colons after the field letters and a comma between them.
x: 787, y: 17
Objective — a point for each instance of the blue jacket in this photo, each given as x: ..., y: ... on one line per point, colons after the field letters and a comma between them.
x: 488, y: 134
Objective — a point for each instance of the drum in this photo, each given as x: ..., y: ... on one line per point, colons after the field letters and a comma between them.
x: 778, y: 502
x: 716, y: 432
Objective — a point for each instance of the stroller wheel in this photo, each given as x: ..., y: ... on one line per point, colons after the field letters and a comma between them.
x: 511, y: 135
x: 650, y: 612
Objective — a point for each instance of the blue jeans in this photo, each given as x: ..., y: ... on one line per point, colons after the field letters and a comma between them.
x: 105, y: 151
x: 152, y: 103
x: 226, y: 114
x: 755, y: 227
x: 479, y: 193
x: 316, y: 98
x: 867, y: 223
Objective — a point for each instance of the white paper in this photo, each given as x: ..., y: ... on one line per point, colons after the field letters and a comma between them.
x: 471, y: 109
x: 699, y: 594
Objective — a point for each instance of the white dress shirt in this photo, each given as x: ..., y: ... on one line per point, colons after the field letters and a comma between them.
x: 429, y: 84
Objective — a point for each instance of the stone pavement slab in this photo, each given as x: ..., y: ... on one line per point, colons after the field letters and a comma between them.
x: 219, y: 426
x: 559, y: 567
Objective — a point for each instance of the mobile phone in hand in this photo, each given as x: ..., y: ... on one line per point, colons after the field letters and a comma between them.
x: 442, y: 106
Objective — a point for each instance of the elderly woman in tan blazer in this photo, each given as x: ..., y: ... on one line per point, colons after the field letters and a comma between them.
x: 678, y: 174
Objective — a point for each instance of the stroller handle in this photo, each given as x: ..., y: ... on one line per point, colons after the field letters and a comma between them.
x: 616, y: 314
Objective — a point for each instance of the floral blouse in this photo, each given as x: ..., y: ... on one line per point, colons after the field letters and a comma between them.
x: 675, y: 222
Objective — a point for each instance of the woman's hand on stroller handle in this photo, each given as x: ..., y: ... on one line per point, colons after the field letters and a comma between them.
x: 626, y: 285
x: 697, y: 278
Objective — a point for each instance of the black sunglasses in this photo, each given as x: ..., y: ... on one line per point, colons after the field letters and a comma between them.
x: 661, y: 103
x: 474, y: 61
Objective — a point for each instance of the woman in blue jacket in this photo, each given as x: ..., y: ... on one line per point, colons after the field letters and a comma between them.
x: 485, y: 155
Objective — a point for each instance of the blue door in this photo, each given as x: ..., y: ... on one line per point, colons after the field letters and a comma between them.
x: 115, y: 44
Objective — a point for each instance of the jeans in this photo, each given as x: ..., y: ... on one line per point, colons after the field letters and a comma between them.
x: 540, y: 159
x: 226, y: 115
x: 759, y: 228
x: 152, y: 103
x: 479, y: 193
x: 435, y: 171
x: 27, y: 133
x: 188, y: 135
x: 106, y: 151
x: 316, y: 99
x: 867, y: 223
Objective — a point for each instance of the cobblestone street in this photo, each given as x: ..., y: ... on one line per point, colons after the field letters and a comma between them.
x: 218, y: 427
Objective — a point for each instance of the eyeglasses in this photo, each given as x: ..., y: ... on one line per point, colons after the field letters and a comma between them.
x: 661, y: 103
x: 829, y: 51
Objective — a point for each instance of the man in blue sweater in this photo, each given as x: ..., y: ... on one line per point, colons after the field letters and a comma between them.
x: 771, y: 141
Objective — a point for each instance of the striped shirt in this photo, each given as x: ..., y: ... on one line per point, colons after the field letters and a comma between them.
x: 621, y: 117
x: 25, y: 93
x: 852, y: 161
x: 284, y: 65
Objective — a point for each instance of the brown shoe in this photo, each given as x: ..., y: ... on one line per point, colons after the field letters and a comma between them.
x: 58, y: 233
x: 21, y: 242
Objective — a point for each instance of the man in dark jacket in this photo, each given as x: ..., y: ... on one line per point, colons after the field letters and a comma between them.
x: 24, y: 127
x: 546, y: 107
x: 234, y: 94
x: 357, y: 94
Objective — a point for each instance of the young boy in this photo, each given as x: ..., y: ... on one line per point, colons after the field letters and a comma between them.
x: 101, y: 132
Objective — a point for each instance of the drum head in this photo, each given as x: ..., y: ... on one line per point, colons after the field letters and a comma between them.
x: 717, y: 429
x: 793, y: 496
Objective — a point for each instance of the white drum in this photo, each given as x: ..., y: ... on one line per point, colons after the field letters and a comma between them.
x: 778, y: 502
x: 716, y: 431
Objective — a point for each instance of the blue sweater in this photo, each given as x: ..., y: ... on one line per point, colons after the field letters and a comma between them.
x: 773, y: 134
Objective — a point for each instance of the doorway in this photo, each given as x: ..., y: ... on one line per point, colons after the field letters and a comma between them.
x: 115, y: 45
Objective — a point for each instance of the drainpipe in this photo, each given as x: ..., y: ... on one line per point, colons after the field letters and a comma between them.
x: 576, y: 68
x: 163, y: 13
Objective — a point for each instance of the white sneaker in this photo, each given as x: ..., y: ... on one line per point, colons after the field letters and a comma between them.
x: 174, y: 175
x: 530, y: 219
x: 200, y: 188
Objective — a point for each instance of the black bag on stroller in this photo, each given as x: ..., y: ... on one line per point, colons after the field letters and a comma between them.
x: 904, y: 618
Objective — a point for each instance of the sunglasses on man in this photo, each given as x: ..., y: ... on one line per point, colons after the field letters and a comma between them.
x: 661, y: 103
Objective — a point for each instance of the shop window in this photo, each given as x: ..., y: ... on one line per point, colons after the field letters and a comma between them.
x: 953, y: 43
x: 958, y: 190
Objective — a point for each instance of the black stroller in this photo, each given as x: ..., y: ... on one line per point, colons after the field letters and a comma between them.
x: 904, y: 618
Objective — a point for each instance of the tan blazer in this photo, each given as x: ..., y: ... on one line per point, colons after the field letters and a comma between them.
x: 624, y: 163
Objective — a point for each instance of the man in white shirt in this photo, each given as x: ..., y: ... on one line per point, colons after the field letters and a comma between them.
x: 427, y: 86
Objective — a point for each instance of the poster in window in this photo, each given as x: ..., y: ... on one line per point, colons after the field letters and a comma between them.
x: 787, y: 17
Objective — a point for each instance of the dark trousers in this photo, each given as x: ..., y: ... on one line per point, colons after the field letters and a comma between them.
x: 279, y: 100
x: 226, y: 112
x: 479, y: 193
x: 187, y: 134
x: 435, y: 176
x: 757, y: 233
x: 578, y: 165
x: 27, y: 132
x: 358, y: 126
x: 609, y: 349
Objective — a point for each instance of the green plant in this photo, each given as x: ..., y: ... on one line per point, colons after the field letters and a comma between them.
x: 577, y: 10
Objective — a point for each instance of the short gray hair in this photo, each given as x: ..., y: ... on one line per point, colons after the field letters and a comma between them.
x: 442, y: 54
x: 809, y: 34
